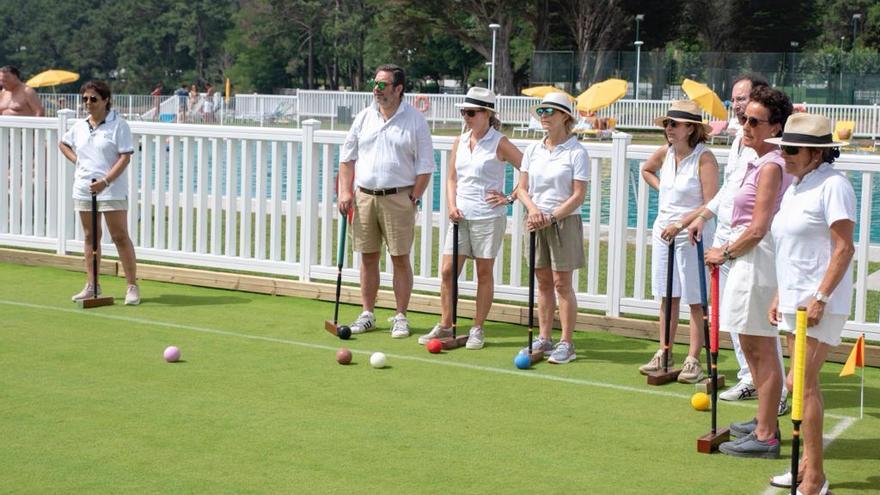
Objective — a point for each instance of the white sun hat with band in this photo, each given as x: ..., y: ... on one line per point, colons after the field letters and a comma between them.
x: 684, y: 111
x: 807, y: 129
x: 557, y: 101
x: 478, y: 98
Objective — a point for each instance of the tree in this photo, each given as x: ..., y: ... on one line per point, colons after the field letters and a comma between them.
x: 595, y: 25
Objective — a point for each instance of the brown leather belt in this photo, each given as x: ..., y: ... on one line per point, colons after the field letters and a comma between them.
x: 382, y: 192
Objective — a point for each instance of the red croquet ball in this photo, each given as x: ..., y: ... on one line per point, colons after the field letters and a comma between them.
x: 343, y: 356
x: 434, y: 346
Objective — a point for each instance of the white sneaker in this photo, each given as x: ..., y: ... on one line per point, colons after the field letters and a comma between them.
x: 399, y: 326
x: 437, y: 332
x: 132, y: 296
x: 475, y: 339
x: 656, y: 363
x: 691, y: 371
x: 741, y: 391
x: 86, y: 293
x: 364, y: 322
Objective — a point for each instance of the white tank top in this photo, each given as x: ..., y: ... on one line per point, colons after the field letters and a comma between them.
x: 478, y: 172
x: 680, y: 191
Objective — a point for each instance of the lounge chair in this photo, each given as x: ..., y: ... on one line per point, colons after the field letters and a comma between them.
x: 719, y: 128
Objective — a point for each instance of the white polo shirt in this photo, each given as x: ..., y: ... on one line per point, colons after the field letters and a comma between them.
x: 551, y: 172
x: 388, y: 153
x: 802, y: 234
x: 734, y: 172
x: 96, y: 152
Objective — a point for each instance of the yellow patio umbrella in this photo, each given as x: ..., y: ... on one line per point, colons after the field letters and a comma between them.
x: 705, y: 98
x: 600, y: 95
x: 542, y: 91
x: 52, y: 77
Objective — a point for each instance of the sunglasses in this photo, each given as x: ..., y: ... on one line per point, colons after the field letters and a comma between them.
x: 671, y: 123
x: 93, y: 99
x: 791, y: 150
x: 545, y: 111
x: 379, y: 84
x: 470, y: 112
x: 753, y: 121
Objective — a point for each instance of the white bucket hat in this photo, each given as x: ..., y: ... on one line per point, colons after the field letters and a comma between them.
x: 807, y: 129
x: 480, y: 98
x: 557, y: 101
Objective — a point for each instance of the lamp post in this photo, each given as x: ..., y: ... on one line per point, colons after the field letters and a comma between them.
x: 855, y: 26
x: 794, y: 47
x: 494, y: 27
x: 638, y: 44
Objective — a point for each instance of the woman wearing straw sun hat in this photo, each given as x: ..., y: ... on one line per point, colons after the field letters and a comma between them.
x: 553, y: 182
x: 474, y: 186
x: 813, y: 235
x: 688, y: 179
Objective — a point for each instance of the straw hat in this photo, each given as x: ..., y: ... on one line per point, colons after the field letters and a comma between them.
x: 480, y: 98
x: 807, y: 129
x: 684, y: 111
x: 557, y: 101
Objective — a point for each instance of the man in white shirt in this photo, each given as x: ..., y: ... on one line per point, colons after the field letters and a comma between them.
x: 386, y: 164
x: 721, y: 206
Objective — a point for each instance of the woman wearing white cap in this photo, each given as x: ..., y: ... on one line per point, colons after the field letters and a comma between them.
x: 475, y: 201
x: 813, y: 233
x: 553, y: 182
x: 688, y: 180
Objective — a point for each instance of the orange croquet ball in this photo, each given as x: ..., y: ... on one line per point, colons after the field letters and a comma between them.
x: 434, y: 346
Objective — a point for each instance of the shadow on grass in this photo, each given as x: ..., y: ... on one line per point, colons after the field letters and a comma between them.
x: 870, y: 485
x: 855, y: 449
x: 179, y: 300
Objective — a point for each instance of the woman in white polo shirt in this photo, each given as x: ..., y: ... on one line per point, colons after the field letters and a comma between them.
x: 687, y: 181
x: 813, y: 234
x: 100, y: 146
x: 553, y: 182
x: 473, y: 184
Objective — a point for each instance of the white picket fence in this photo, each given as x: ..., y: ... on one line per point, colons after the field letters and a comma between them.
x: 262, y: 200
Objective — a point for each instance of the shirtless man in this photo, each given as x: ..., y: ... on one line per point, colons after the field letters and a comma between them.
x: 17, y: 98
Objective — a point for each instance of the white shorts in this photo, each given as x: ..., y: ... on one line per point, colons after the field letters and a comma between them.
x: 477, y: 238
x: 108, y: 205
x: 686, y: 273
x: 827, y: 331
x: 750, y: 288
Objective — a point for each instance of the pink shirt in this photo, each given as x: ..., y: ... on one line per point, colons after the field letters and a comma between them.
x: 744, y: 201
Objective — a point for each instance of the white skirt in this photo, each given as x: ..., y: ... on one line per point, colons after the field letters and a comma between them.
x: 750, y: 288
x: 686, y: 272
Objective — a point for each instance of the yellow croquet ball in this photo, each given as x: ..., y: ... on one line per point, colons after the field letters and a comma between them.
x: 700, y: 401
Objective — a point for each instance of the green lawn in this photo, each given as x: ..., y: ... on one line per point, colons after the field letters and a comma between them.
x: 87, y: 405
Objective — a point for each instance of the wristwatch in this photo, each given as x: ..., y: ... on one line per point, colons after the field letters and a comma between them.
x: 416, y: 201
x: 510, y: 199
x: 822, y: 298
x: 727, y: 255
x: 678, y: 225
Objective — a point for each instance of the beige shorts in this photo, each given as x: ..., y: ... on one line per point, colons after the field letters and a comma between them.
x: 563, y: 252
x: 391, y: 218
x: 477, y: 238
x: 827, y: 331
x: 109, y: 205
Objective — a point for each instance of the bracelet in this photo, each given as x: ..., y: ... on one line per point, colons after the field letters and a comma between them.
x: 704, y: 217
x: 727, y: 255
x: 105, y: 181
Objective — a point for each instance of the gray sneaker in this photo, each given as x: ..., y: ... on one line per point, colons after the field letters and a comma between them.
x: 399, y: 326
x: 562, y: 353
x: 540, y: 344
x: 750, y: 446
x: 475, y: 339
x: 437, y: 332
x: 739, y: 430
x: 364, y: 322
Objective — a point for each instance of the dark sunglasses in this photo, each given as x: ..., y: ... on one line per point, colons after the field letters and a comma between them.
x: 93, y: 99
x: 470, y: 112
x: 379, y: 84
x: 670, y: 123
x: 753, y: 121
x: 791, y: 150
x: 545, y: 111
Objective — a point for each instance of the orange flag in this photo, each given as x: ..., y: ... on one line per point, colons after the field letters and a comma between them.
x: 856, y: 358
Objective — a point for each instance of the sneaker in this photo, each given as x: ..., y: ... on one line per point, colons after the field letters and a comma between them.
x: 475, y: 339
x: 783, y: 407
x: 739, y: 430
x: 563, y: 353
x: 540, y: 344
x: 364, y: 322
x: 437, y: 332
x: 750, y: 446
x: 86, y: 293
x: 783, y: 480
x: 656, y: 363
x: 132, y: 296
x: 691, y: 372
x: 399, y: 326
x: 741, y: 391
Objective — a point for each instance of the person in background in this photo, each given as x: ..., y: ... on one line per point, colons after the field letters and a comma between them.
x: 182, y: 94
x: 208, y: 106
x: 16, y: 97
x: 157, y: 97
x: 688, y: 179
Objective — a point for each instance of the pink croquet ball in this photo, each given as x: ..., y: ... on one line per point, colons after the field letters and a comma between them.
x: 172, y: 354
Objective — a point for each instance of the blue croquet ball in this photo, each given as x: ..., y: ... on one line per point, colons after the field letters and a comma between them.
x: 522, y: 361
x: 343, y: 332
